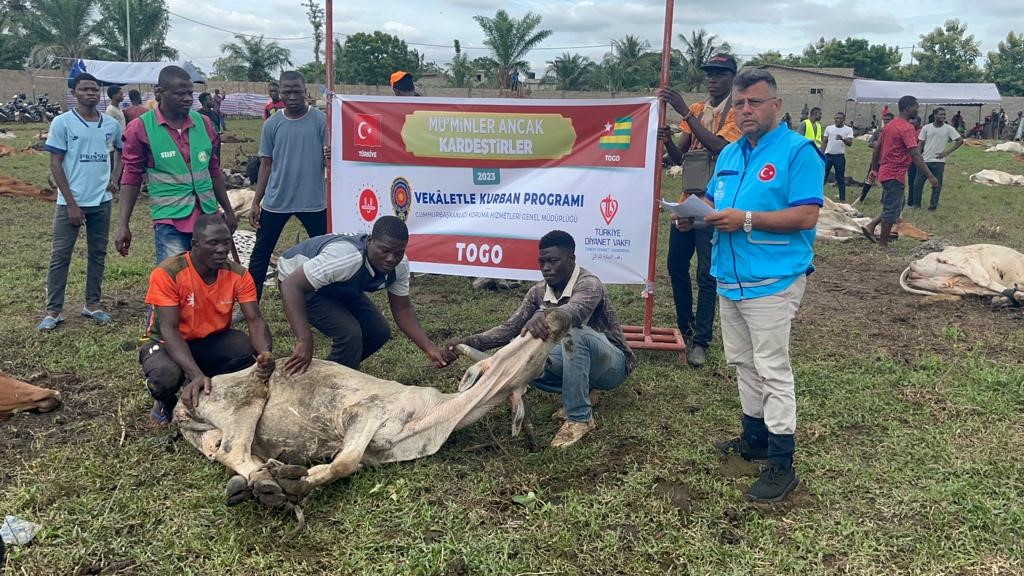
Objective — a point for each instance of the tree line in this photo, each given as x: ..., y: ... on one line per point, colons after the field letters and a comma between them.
x: 47, y: 33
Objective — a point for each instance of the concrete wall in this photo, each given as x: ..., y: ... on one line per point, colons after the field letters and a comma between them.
x: 794, y: 87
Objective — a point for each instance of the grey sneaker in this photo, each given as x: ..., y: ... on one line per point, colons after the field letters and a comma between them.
x: 697, y: 356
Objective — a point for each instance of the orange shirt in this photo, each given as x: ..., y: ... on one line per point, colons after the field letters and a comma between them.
x: 205, y: 308
x: 730, y: 132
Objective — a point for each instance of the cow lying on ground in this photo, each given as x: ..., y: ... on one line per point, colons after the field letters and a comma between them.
x: 267, y: 426
x: 977, y: 270
x: 838, y: 221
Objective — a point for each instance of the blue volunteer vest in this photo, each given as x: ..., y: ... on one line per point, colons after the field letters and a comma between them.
x: 362, y: 281
x: 761, y: 179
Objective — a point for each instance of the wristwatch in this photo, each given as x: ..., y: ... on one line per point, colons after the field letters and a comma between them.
x: 748, y: 222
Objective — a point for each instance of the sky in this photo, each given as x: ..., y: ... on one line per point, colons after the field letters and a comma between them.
x: 588, y: 26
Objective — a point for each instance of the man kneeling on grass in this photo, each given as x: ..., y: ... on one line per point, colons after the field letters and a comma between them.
x: 190, y: 334
x: 596, y: 359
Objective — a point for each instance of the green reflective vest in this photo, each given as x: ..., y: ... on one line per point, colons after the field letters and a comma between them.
x: 173, y: 187
x: 812, y: 130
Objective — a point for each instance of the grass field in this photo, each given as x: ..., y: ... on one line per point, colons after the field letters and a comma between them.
x: 909, y: 436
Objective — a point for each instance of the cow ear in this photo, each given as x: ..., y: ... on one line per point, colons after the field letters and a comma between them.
x: 472, y: 375
x: 518, y: 411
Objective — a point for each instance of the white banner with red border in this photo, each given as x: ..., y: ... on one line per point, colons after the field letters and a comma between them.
x: 479, y: 181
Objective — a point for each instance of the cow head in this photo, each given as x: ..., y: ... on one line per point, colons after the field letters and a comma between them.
x: 510, y: 371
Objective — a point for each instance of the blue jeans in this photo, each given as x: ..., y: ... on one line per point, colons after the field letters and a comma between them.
x: 592, y: 364
x: 170, y: 241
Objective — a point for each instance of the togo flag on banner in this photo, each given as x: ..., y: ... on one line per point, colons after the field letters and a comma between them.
x: 479, y: 181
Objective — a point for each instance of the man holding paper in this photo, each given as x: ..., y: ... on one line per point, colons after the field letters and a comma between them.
x: 767, y: 191
x: 707, y: 127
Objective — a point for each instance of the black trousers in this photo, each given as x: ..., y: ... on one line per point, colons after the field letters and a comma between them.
x: 681, y: 247
x: 917, y: 188
x: 269, y: 232
x: 837, y: 161
x: 355, y: 326
x: 221, y: 353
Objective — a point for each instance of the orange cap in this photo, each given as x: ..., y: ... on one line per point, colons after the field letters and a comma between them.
x: 398, y: 75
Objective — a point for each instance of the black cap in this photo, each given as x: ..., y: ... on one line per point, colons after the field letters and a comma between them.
x: 720, y: 62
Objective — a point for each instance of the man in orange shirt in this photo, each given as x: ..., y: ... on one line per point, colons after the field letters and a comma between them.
x: 190, y: 334
x: 707, y: 127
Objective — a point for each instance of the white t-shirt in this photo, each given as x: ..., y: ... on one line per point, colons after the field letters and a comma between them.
x: 337, y: 262
x: 935, y: 140
x: 832, y: 145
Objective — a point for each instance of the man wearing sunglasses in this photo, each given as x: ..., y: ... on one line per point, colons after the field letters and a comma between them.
x: 767, y: 192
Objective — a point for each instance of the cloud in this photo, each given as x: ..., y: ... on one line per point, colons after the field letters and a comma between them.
x: 403, y: 31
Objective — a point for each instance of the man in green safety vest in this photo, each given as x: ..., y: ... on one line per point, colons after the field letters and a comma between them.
x: 812, y: 126
x: 174, y: 149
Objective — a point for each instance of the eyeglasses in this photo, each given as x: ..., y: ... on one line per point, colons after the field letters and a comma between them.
x: 754, y: 103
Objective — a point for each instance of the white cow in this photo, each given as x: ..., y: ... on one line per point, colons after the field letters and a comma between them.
x: 267, y: 426
x: 977, y: 270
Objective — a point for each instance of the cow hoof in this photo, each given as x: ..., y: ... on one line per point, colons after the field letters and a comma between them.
x: 295, y: 489
x: 269, y: 493
x: 238, y: 490
x: 289, y: 472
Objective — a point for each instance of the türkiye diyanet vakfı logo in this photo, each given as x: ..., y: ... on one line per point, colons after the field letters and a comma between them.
x: 491, y: 135
x: 617, y: 134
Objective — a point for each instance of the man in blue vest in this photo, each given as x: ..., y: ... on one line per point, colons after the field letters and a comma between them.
x: 767, y: 191
x: 324, y: 281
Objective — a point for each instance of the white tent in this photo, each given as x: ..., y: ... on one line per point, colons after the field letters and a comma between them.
x: 130, y: 72
x: 926, y: 92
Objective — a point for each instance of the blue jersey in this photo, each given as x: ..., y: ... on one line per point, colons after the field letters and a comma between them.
x: 86, y: 149
x: 783, y: 170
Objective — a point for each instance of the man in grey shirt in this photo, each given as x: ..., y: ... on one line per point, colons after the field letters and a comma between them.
x: 291, y: 178
x: 933, y: 140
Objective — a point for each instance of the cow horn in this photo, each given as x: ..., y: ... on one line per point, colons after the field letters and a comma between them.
x: 471, y: 353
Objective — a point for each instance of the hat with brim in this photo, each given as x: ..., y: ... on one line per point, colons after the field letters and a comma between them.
x: 720, y: 62
x: 398, y: 76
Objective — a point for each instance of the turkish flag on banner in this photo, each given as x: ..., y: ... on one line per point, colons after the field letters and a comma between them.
x: 367, y: 130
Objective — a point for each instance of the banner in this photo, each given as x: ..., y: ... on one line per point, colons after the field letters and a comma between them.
x: 479, y: 181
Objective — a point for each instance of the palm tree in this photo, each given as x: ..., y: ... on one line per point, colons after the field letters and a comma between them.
x: 60, y: 29
x: 635, y: 64
x: 697, y: 49
x: 460, y: 72
x: 510, y: 39
x: 260, y: 58
x: 570, y: 70
x: 766, y: 57
x: 149, y: 25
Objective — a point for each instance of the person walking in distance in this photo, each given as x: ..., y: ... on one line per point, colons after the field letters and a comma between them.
x: 934, y: 137
x: 896, y: 150
x: 837, y: 137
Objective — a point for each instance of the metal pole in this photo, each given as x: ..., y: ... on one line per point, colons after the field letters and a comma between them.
x: 128, y: 27
x: 659, y: 147
x: 329, y: 80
